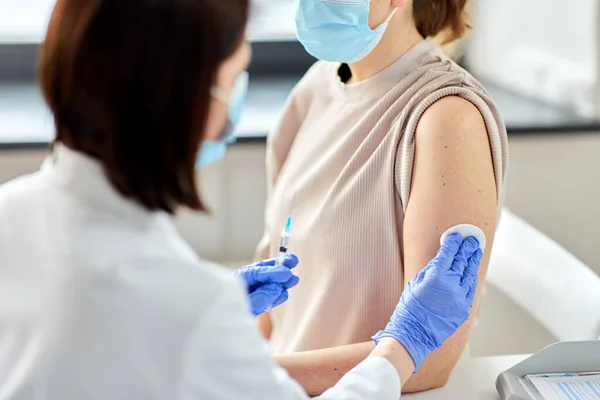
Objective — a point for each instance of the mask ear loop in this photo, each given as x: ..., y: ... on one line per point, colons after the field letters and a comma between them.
x: 220, y: 95
x: 387, y: 21
x: 240, y: 85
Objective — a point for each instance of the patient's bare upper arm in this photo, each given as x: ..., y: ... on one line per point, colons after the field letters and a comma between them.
x: 452, y: 183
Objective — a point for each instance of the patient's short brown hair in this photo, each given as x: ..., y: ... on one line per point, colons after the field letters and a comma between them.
x: 448, y: 18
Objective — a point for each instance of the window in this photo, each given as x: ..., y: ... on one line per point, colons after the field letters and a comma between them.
x: 25, y: 21
x: 272, y: 20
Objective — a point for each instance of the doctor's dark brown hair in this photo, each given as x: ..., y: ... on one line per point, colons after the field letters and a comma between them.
x: 128, y: 83
x: 445, y: 18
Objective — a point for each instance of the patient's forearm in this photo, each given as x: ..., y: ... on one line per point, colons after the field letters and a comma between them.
x: 434, y: 372
x: 318, y: 370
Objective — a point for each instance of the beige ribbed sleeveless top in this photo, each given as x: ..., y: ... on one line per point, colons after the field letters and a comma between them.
x: 340, y: 163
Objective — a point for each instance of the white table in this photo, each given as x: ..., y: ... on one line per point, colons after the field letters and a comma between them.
x: 472, y: 379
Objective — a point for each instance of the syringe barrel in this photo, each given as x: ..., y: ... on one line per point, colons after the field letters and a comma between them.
x: 283, y: 247
x: 284, y: 242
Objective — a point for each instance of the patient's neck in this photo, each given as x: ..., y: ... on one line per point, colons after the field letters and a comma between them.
x: 400, y: 36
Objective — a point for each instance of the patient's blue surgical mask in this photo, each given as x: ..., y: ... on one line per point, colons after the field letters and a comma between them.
x: 213, y: 150
x: 337, y: 30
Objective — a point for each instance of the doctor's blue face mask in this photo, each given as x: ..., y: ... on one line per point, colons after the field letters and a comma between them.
x: 337, y: 30
x: 213, y: 150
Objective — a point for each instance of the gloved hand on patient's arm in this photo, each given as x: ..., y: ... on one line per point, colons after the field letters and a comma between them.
x: 268, y: 284
x: 437, y: 300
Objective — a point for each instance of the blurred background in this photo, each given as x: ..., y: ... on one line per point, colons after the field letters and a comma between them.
x: 538, y: 58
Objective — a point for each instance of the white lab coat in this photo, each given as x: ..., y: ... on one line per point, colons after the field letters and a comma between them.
x: 100, y: 299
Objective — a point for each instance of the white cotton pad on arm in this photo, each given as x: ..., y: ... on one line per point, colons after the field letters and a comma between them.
x: 466, y: 230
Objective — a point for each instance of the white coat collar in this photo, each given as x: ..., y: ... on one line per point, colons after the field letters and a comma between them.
x: 85, y: 178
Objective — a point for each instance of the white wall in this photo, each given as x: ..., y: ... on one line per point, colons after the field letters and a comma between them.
x: 554, y: 184
x: 544, y: 49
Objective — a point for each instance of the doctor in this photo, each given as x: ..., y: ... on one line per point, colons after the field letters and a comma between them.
x: 102, y: 298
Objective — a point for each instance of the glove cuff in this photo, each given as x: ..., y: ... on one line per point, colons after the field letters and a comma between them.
x: 415, y: 349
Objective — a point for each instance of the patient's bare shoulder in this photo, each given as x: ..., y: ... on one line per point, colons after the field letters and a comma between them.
x: 452, y: 183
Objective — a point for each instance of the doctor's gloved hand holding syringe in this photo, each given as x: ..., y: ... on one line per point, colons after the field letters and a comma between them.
x: 268, y: 282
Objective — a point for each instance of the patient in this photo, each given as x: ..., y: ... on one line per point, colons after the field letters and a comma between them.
x: 380, y: 149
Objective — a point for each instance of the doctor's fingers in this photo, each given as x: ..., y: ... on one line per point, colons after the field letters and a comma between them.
x: 263, y: 297
x: 447, y: 253
x: 467, y: 249
x: 281, y: 299
x: 260, y: 275
x: 290, y: 261
x: 290, y: 283
x: 293, y: 281
x: 440, y: 265
x: 471, y: 274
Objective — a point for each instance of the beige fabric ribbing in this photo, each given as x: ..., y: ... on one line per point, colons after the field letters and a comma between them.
x: 340, y: 163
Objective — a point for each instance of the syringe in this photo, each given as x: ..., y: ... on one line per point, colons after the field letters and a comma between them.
x: 283, y: 246
x: 284, y: 242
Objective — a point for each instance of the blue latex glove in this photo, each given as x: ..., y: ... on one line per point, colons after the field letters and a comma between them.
x: 268, y: 284
x: 436, y: 301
